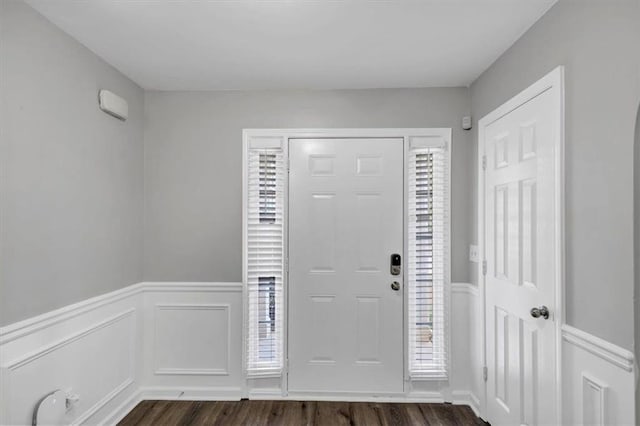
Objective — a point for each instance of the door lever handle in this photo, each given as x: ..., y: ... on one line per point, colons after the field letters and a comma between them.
x: 395, y: 286
x: 542, y: 311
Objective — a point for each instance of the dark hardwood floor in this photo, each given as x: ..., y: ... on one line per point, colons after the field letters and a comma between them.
x: 298, y: 413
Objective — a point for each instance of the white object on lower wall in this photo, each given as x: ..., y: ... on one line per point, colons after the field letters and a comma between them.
x: 50, y: 409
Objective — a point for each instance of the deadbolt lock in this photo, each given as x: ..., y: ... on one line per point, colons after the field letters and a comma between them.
x: 396, y: 264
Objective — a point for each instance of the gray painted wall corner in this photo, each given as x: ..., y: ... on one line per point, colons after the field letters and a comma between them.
x: 72, y: 182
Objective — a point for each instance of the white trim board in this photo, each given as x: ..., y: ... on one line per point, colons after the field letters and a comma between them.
x: 207, y: 287
x: 348, y: 133
x: 121, y: 411
x: 103, y: 402
x: 467, y: 398
x: 554, y: 79
x: 179, y: 393
x: 47, y: 319
x: 609, y: 352
x: 465, y: 288
x: 33, y: 356
x: 31, y: 325
x: 170, y: 394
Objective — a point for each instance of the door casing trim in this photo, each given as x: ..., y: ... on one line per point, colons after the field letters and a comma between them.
x: 360, y: 133
x: 554, y: 81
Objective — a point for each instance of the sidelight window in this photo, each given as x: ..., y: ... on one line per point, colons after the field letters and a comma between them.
x: 265, y: 260
x: 428, y: 260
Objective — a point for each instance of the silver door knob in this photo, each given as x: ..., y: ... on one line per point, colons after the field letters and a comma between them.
x: 395, y: 286
x: 542, y: 311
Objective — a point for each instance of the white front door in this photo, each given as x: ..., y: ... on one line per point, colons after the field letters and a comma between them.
x: 345, y: 221
x: 521, y: 225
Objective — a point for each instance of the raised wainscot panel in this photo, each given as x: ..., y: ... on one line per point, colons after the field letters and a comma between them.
x: 193, y: 340
x: 96, y: 361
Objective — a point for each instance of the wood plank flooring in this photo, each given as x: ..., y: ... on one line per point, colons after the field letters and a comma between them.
x: 296, y: 413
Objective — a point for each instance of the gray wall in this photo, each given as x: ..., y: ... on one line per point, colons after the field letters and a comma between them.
x: 636, y: 215
x: 71, y: 177
x: 598, y: 42
x: 193, y: 165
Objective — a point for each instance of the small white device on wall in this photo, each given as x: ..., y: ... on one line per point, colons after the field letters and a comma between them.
x: 113, y: 104
x: 466, y: 122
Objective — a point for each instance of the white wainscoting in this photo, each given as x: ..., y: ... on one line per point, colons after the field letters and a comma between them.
x: 192, y: 341
x: 183, y: 341
x: 598, y: 381
x: 467, y: 374
x: 90, y: 348
x: 172, y: 341
x: 148, y: 340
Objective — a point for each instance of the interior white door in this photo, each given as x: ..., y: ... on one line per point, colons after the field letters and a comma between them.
x: 521, y: 254
x: 345, y: 221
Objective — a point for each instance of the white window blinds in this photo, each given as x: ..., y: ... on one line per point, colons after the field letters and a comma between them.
x: 265, y: 260
x: 428, y: 261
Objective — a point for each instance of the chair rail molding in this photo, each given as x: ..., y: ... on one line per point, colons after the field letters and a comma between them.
x: 601, y: 348
x: 466, y: 288
x: 598, y: 380
x: 31, y: 325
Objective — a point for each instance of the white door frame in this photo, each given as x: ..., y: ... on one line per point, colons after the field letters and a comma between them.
x: 553, y: 80
x: 284, y: 135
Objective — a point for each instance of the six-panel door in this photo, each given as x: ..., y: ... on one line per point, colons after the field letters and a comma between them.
x: 345, y: 221
x: 520, y: 225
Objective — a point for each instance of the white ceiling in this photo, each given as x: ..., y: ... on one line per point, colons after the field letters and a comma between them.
x: 218, y: 45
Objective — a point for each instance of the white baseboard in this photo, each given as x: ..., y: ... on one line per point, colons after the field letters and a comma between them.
x: 111, y: 396
x: 467, y: 398
x: 364, y: 397
x: 121, y: 411
x: 265, y: 394
x: 177, y: 393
